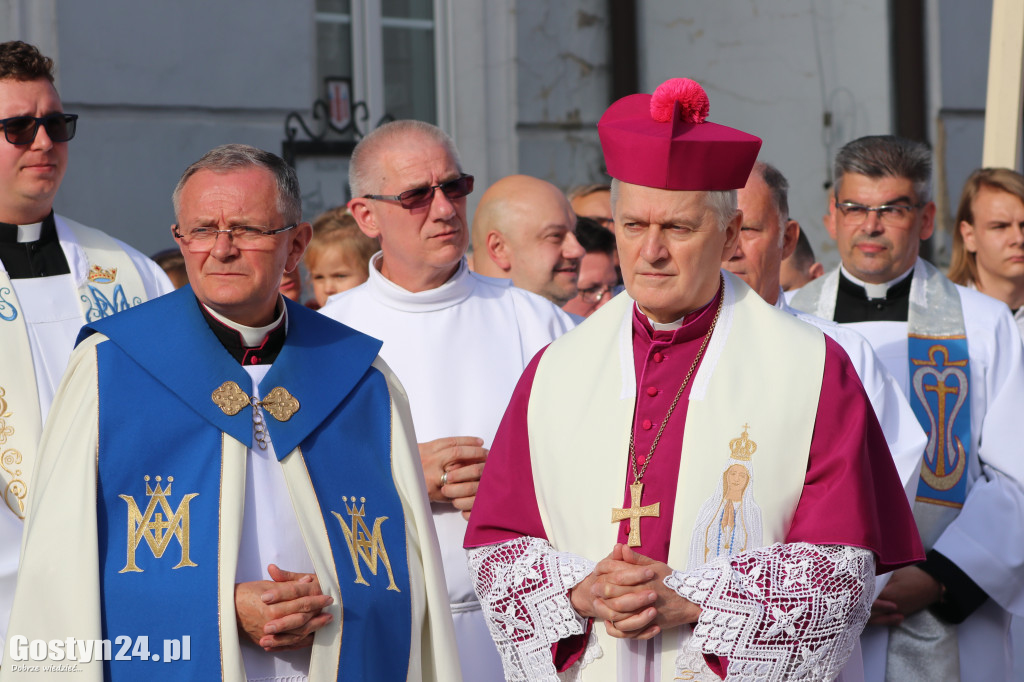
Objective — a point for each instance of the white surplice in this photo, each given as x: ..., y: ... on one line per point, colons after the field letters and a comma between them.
x: 902, y: 431
x: 459, y: 350
x: 986, y: 540
x: 53, y: 315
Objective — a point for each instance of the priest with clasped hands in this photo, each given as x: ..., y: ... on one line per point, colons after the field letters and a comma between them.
x: 213, y: 466
x: 688, y: 456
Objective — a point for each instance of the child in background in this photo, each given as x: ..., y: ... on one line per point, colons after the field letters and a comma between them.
x: 338, y: 255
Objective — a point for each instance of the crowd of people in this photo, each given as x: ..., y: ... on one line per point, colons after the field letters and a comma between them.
x: 633, y: 431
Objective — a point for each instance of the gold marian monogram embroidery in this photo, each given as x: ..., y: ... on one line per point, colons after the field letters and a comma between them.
x: 362, y: 544
x: 16, y: 489
x: 151, y: 526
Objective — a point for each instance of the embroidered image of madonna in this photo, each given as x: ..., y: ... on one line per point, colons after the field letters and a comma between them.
x: 729, y: 522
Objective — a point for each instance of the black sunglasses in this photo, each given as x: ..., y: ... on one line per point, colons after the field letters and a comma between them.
x: 422, y: 196
x: 22, y: 130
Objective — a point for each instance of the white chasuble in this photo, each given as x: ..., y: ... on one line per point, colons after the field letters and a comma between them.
x: 758, y: 383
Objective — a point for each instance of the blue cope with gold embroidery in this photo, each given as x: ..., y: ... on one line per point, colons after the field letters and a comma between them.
x: 158, y: 537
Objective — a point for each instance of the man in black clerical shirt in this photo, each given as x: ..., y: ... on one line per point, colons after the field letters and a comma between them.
x: 55, y: 275
x: 958, y: 358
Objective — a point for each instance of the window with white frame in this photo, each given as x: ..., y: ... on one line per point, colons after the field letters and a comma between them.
x: 388, y: 50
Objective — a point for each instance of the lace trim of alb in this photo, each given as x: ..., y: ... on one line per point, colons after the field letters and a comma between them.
x: 782, y: 612
x: 523, y: 586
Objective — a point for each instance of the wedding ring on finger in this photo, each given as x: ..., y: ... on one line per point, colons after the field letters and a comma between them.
x: 444, y: 478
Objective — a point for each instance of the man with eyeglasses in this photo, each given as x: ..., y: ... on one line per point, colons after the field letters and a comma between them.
x: 55, y: 275
x: 523, y: 230
x: 957, y: 356
x: 457, y: 340
x: 767, y: 236
x: 598, y: 275
x: 226, y: 465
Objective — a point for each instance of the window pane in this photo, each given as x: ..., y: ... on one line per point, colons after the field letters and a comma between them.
x: 339, y: 6
x: 408, y: 9
x: 333, y: 53
x: 410, y: 88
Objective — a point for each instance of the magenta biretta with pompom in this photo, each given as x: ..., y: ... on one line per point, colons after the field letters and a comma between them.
x: 663, y: 141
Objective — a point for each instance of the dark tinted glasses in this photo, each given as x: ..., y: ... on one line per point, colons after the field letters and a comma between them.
x: 422, y: 196
x: 22, y: 129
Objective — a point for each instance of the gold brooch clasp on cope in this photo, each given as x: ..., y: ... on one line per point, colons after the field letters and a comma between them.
x: 280, y: 404
x: 231, y: 399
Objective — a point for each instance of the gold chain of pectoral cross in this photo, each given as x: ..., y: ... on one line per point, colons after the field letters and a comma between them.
x: 635, y: 511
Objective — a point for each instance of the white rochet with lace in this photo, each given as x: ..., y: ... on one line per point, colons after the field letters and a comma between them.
x: 782, y: 612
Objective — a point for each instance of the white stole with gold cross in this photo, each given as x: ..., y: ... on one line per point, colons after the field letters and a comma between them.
x: 107, y: 282
x: 762, y: 369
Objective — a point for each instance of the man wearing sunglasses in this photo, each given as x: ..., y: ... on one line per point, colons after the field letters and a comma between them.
x: 55, y: 275
x: 457, y: 341
x: 957, y: 356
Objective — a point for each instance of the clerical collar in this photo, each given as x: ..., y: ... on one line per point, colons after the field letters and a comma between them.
x: 248, y: 345
x: 691, y: 325
x: 854, y: 302
x: 890, y: 289
x: 672, y: 326
x: 456, y: 290
x: 19, y: 234
x: 34, y: 250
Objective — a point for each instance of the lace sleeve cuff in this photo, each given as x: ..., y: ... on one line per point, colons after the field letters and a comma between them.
x: 523, y: 586
x: 781, y: 612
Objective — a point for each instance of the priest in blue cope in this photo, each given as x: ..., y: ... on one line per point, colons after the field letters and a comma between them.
x: 231, y: 469
x: 179, y: 594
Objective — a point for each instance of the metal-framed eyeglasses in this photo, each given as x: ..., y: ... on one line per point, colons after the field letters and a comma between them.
x: 419, y: 197
x: 244, y: 237
x: 21, y: 130
x: 596, y: 293
x: 890, y: 215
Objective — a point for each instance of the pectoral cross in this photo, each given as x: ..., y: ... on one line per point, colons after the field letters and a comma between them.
x: 635, y: 512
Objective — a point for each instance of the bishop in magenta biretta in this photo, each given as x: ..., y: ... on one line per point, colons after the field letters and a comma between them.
x: 691, y: 484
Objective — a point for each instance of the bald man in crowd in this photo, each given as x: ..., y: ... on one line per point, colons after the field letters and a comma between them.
x: 523, y: 230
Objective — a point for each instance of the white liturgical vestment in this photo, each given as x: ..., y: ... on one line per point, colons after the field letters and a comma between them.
x: 459, y: 350
x: 986, y: 539
x: 51, y: 313
x: 904, y: 435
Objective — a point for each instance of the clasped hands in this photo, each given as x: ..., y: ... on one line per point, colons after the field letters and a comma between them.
x: 627, y: 591
x: 282, y: 613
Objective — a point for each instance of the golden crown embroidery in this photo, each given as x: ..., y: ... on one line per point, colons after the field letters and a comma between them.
x: 158, y: 526
x: 102, y: 275
x: 362, y: 544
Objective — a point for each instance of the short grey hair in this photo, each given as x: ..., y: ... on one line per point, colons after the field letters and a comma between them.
x: 365, y: 174
x: 721, y: 202
x: 778, y: 190
x: 233, y: 157
x: 887, y: 156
